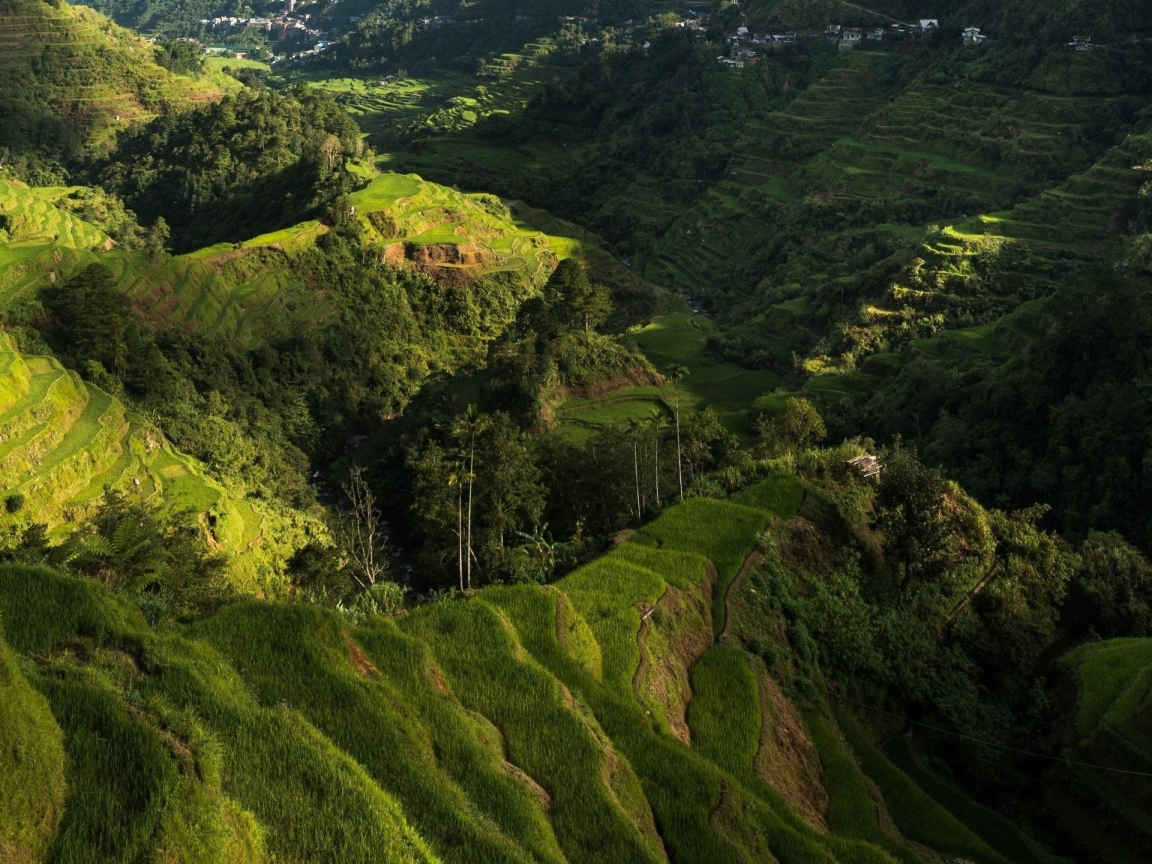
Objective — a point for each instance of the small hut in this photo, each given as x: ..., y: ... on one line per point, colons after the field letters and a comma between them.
x: 867, y: 467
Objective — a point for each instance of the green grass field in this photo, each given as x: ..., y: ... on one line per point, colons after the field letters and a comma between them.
x: 726, y: 388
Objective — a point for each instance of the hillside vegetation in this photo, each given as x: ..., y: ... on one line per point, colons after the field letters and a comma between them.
x: 715, y: 451
x: 66, y: 444
x: 70, y: 79
x: 179, y: 340
x: 563, y: 723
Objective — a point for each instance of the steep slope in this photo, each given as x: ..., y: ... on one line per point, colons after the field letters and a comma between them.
x: 601, y: 718
x: 64, y: 442
x: 1108, y: 811
x: 69, y: 74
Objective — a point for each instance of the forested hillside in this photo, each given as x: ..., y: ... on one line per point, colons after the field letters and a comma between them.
x: 70, y: 78
x: 635, y: 710
x: 576, y: 432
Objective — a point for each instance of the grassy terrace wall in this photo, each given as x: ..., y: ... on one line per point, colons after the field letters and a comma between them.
x: 88, y: 70
x: 1107, y: 810
x: 63, y: 442
x: 518, y: 725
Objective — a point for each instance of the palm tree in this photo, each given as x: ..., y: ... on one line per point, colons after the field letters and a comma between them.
x: 674, y: 374
x: 657, y: 425
x: 634, y: 429
x: 456, y: 478
x: 467, y: 427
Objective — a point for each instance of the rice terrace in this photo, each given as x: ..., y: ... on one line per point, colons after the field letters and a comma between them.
x: 575, y: 433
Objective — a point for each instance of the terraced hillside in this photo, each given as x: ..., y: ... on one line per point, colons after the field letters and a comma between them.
x: 63, y: 442
x: 245, y: 292
x: 248, y: 293
x: 452, y: 235
x: 87, y: 71
x: 703, y: 244
x: 901, y: 156
x: 436, y: 115
x: 260, y: 289
x: 1109, y: 810
x: 436, y: 106
x: 610, y: 717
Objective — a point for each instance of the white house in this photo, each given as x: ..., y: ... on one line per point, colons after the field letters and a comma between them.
x: 929, y: 24
x: 973, y: 36
x: 876, y: 34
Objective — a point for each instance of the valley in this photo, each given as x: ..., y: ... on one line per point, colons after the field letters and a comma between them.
x: 575, y: 432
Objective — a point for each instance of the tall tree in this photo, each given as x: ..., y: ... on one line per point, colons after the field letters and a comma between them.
x: 466, y: 429
x: 360, y: 531
x: 911, y: 515
x: 674, y: 374
x: 635, y: 429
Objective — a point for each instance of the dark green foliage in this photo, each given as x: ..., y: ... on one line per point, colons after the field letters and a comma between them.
x: 14, y: 503
x: 1112, y: 591
x: 670, y: 114
x: 915, y: 813
x: 553, y: 343
x: 91, y: 317
x: 795, y: 426
x: 167, y: 16
x: 472, y: 493
x: 1062, y: 421
x: 911, y: 502
x: 181, y: 56
x: 227, y: 171
x: 167, y: 567
x: 574, y: 301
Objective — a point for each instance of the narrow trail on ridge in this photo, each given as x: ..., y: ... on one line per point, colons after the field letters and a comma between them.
x: 754, y: 558
x: 750, y: 562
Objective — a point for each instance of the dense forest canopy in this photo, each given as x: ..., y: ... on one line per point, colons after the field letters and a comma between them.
x: 249, y: 163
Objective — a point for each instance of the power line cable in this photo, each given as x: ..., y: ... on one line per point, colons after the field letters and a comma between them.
x: 993, y: 743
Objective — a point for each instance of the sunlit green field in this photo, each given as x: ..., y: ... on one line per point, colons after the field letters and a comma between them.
x: 678, y: 339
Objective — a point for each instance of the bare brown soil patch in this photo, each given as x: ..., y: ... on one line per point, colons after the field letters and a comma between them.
x: 359, y: 658
x: 673, y: 634
x: 541, y: 794
x: 437, y: 677
x: 787, y: 760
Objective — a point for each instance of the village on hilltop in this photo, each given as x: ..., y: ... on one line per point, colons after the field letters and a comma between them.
x: 743, y: 44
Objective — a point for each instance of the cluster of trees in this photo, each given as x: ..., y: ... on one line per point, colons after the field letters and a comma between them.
x: 260, y: 418
x: 161, y: 560
x: 1064, y: 420
x: 491, y: 502
x: 553, y: 344
x: 912, y: 598
x: 227, y: 171
x: 181, y: 56
x: 176, y: 17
